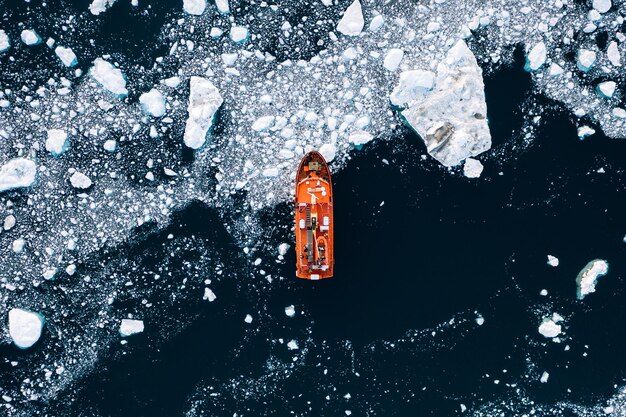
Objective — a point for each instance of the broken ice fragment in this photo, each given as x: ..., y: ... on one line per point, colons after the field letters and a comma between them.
x: 606, y: 89
x: 588, y: 277
x: 5, y: 43
x: 56, y: 142
x: 412, y: 85
x: 222, y: 6
x: 25, y: 327
x: 248, y: 319
x: 9, y: 222
x: 292, y: 345
x: 194, y: 7
x: 393, y: 59
x: 612, y: 52
x: 109, y: 77
x: 536, y: 57
x: 328, y: 151
x: 153, y: 103
x: 553, y: 261
x: 585, y: 131
x: 351, y: 23
x: 548, y: 328
x: 544, y: 377
x: 80, y: 180
x: 209, y: 295
x: 263, y: 123
x: 602, y: 6
x: 17, y: 173
x: 290, y: 311
x: 283, y: 248
x: 239, y: 34
x: 129, y: 327
x: 98, y: 6
x: 30, y: 37
x: 452, y: 118
x: 472, y: 168
x: 360, y: 137
x: 204, y: 101
x: 66, y: 55
x: 586, y: 59
x: 18, y: 245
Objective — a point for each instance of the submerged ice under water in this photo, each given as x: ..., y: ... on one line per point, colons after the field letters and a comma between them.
x: 273, y: 81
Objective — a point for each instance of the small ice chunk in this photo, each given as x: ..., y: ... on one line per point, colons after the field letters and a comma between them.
x: 263, y: 123
x: 18, y: 245
x: 606, y: 89
x: 17, y: 173
x: 376, y: 23
x: 351, y: 23
x: 536, y: 57
x: 292, y: 345
x: 209, y: 295
x: 9, y: 222
x: 248, y: 319
x: 393, y: 59
x: 472, y: 168
x: 56, y: 142
x: 153, y: 103
x: 555, y: 69
x: 543, y: 292
x: 98, y: 6
x: 25, y: 327
x: 30, y: 37
x: 110, y: 145
x: 215, y: 32
x: 283, y: 248
x: 204, y: 101
x: 412, y: 84
x: 222, y: 6
x: 360, y: 137
x: 586, y: 59
x: 328, y: 151
x: 480, y: 320
x: 194, y: 7
x: 109, y: 77
x: 585, y: 131
x: 239, y: 34
x: 602, y: 6
x: 5, y: 43
x: 270, y: 172
x: 290, y: 311
x: 129, y: 327
x: 548, y: 328
x: 66, y: 55
x: 588, y: 277
x: 544, y: 377
x: 80, y: 180
x: 553, y: 260
x: 172, y: 82
x: 612, y: 52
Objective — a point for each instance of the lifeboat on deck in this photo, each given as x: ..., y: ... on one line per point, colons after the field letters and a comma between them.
x: 314, y: 219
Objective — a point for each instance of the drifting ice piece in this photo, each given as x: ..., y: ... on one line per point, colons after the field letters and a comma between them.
x: 66, y: 55
x: 109, y: 77
x: 536, y: 57
x: 80, y: 180
x: 130, y: 327
x: 25, y: 327
x: 586, y: 59
x: 17, y: 173
x: 352, y: 22
x: 204, y: 101
x: 153, y: 103
x: 57, y: 142
x: 588, y: 277
x: 412, y: 85
x: 472, y: 168
x: 194, y: 7
x: 98, y: 6
x: 553, y: 261
x: 451, y: 119
x: 222, y: 6
x: 30, y: 37
x: 548, y: 328
x: 5, y: 43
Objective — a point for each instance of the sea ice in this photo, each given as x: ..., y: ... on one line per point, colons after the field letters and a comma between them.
x: 17, y: 173
x: 80, y: 180
x: 18, y: 245
x: 25, y: 327
x: 602, y: 6
x: 56, y: 142
x: 536, y: 57
x: 351, y: 23
x: 109, y: 145
x: 239, y: 34
x: 585, y: 131
x: 30, y: 37
x: 194, y: 7
x: 588, y: 277
x: 292, y: 345
x: 204, y: 101
x: 222, y: 6
x: 172, y: 82
x: 66, y: 55
x: 290, y: 311
x: 9, y: 222
x: 153, y: 103
x: 376, y: 23
x: 553, y: 260
x: 612, y: 53
x: 555, y: 69
x: 5, y: 43
x: 209, y: 295
x: 109, y: 77
x: 393, y: 59
x: 586, y: 59
x: 548, y: 328
x: 607, y: 89
x: 412, y: 85
x: 98, y: 6
x: 248, y: 319
x: 472, y: 168
x: 452, y: 118
x: 129, y: 327
x: 283, y: 248
x: 360, y: 137
x: 328, y: 151
x: 544, y: 377
x: 263, y: 123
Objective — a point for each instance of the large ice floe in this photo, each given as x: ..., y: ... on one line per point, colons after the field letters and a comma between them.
x: 25, y: 327
x: 588, y: 277
x: 204, y: 101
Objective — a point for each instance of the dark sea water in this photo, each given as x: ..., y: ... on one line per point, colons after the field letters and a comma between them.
x: 421, y: 252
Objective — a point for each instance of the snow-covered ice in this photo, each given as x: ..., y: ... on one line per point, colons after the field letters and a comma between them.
x: 222, y: 6
x: 393, y: 59
x: 452, y: 118
x: 209, y: 295
x: 607, y: 88
x: 549, y: 328
x: 153, y: 103
x: 586, y: 59
x: 80, y: 180
x: 25, y: 327
x: 66, y: 55
x: 352, y: 22
x: 17, y: 173
x: 129, y: 327
x: 283, y: 248
x: 612, y: 53
x: 99, y: 6
x: 263, y: 123
x: 204, y: 101
x: 5, y: 42
x: 412, y: 85
x: 587, y: 278
x: 30, y: 37
x: 239, y: 34
x: 57, y: 141
x: 109, y: 77
x: 194, y: 7
x: 553, y: 261
x: 360, y: 137
x: 290, y: 311
x: 292, y: 345
x: 602, y: 6
x: 585, y: 131
x: 544, y: 377
x: 328, y: 151
x: 248, y: 319
x: 536, y: 57
x: 472, y: 168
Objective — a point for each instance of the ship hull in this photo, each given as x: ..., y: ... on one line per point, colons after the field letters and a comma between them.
x: 315, y: 257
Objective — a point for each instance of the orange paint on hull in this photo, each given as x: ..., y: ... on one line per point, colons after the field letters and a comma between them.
x: 315, y: 255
